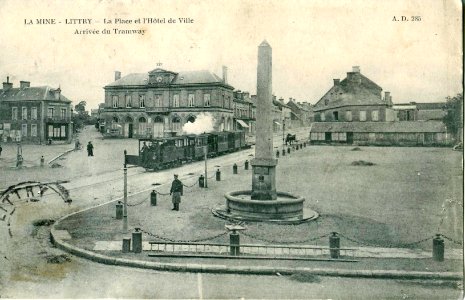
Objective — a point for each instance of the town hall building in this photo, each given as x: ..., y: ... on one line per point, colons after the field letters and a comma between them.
x: 160, y: 102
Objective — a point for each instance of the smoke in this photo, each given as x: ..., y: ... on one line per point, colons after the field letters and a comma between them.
x: 203, y: 123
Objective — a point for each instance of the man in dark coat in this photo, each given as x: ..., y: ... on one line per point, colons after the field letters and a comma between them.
x: 176, y: 192
x: 90, y: 149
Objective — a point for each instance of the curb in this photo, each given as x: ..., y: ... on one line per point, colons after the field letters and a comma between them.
x: 251, y: 270
x: 58, y: 156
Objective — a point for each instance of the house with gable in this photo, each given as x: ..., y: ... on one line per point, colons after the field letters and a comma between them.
x: 354, y: 111
x: 34, y: 114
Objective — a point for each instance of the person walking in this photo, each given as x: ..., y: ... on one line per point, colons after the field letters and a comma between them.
x: 176, y: 192
x: 90, y: 149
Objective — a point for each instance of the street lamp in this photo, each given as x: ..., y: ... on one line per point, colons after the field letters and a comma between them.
x: 125, y: 195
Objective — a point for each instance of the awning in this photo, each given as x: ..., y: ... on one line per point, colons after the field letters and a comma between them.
x: 276, y: 123
x: 243, y: 124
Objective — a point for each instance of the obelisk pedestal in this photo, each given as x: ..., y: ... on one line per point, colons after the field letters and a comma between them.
x: 264, y: 164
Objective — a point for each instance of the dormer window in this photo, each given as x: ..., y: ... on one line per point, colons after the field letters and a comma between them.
x: 326, y: 101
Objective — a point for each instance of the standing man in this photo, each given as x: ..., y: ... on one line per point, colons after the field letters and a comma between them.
x: 90, y: 149
x: 176, y: 192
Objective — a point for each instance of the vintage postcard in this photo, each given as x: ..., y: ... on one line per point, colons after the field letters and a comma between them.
x: 231, y: 149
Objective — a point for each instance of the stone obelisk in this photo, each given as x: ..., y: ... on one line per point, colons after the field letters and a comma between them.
x: 264, y: 163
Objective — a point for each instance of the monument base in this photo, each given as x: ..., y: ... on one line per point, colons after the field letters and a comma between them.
x: 286, y: 209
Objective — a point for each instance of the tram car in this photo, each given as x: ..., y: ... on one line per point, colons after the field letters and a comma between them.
x: 162, y: 153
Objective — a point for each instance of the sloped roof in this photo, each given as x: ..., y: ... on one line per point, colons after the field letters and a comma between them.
x: 347, y: 93
x: 386, y: 127
x: 190, y: 77
x: 432, y: 105
x: 31, y: 93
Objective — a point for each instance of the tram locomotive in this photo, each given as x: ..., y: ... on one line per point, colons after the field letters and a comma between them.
x: 167, y: 152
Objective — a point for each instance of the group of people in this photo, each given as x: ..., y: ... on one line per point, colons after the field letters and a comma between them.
x: 90, y: 147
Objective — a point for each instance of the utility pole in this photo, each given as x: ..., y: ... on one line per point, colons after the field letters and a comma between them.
x: 125, y: 196
x: 205, y: 151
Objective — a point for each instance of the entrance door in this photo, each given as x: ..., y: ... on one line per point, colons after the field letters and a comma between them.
x: 350, y: 138
x: 328, y: 136
x: 130, y: 130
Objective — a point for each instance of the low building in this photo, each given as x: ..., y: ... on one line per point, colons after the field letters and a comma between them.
x: 301, y: 113
x: 406, y: 133
x: 34, y: 114
x: 160, y: 102
x: 415, y: 111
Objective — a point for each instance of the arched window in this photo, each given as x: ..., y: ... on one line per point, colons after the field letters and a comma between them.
x: 143, y: 126
x: 158, y: 126
x: 128, y: 119
x: 115, y: 120
x: 114, y: 123
x: 176, y: 124
x: 191, y: 119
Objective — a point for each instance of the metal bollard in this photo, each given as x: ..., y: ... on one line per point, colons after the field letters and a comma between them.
x: 300, y: 146
x: 42, y: 161
x: 438, y: 248
x: 277, y: 154
x: 334, y: 245
x: 137, y: 241
x: 246, y: 165
x: 153, y: 198
x: 288, y: 150
x: 284, y: 152
x: 218, y: 175
x: 119, y: 210
x: 305, y: 144
x: 201, y: 181
x: 297, y: 147
x: 234, y: 169
x: 234, y: 243
x: 126, y: 245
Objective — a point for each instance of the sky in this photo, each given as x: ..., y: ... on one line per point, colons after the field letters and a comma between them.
x: 312, y: 42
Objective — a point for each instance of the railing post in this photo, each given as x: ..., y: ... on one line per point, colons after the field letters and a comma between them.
x: 438, y: 248
x: 235, y: 169
x: 218, y: 175
x: 288, y: 150
x: 153, y: 198
x: 201, y: 181
x: 137, y: 241
x: 334, y: 245
x: 126, y: 245
x: 119, y: 210
x: 234, y: 243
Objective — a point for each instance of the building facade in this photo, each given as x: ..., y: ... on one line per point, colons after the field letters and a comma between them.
x: 354, y: 99
x: 244, y: 112
x: 160, y: 102
x: 34, y: 114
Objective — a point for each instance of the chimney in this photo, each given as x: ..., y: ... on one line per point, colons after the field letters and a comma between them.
x: 387, y: 95
x: 57, y: 93
x: 24, y: 84
x: 117, y: 75
x: 356, y: 69
x: 225, y: 74
x: 336, y: 81
x: 7, y: 85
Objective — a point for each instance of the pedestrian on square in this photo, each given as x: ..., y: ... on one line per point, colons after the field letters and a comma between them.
x: 176, y: 192
x: 90, y: 149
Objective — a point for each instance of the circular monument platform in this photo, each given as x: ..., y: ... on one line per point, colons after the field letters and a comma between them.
x: 286, y: 209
